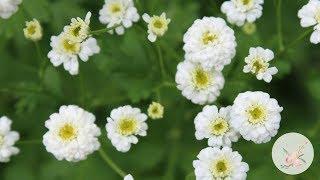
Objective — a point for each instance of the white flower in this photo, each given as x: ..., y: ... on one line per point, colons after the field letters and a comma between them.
x: 310, y: 16
x: 211, y: 42
x: 155, y: 110
x: 7, y: 140
x: 197, y: 84
x: 256, y: 116
x: 124, y: 125
x: 240, y: 11
x: 33, y: 30
x: 214, y: 125
x: 66, y: 51
x: 128, y: 177
x: 79, y: 29
x: 157, y: 25
x: 217, y: 164
x: 8, y: 7
x: 258, y: 64
x: 72, y: 134
x: 118, y: 12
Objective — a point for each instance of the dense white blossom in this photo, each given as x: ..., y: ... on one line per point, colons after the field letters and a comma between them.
x: 216, y: 164
x: 256, y: 116
x: 128, y: 177
x: 7, y: 140
x: 214, y: 124
x: 198, y: 84
x: 210, y: 42
x: 121, y: 13
x: 157, y: 25
x: 8, y: 8
x: 124, y: 126
x: 72, y: 134
x: 240, y: 11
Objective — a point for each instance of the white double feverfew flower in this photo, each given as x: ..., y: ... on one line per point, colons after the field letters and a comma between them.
x: 214, y: 125
x: 215, y: 164
x: 33, y: 30
x: 258, y: 64
x: 124, y: 125
x: 72, y: 134
x: 72, y: 43
x: 210, y: 42
x: 121, y: 13
x: 8, y: 8
x: 7, y: 140
x: 198, y: 84
x: 157, y: 25
x: 240, y: 11
x: 256, y: 116
x: 309, y: 15
x: 128, y: 177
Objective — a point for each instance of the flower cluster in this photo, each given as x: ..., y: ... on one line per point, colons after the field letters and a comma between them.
x: 73, y: 43
x: 7, y: 140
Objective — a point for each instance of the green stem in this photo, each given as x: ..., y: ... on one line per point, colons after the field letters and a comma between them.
x: 189, y: 175
x: 113, y: 166
x: 279, y: 25
x: 160, y: 58
x: 42, y: 63
x: 104, y: 30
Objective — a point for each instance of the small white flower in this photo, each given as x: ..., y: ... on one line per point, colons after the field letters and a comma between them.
x: 79, y: 29
x: 8, y: 8
x: 118, y: 12
x: 157, y: 25
x: 128, y: 177
x: 72, y: 134
x: 214, y: 125
x: 155, y: 110
x: 210, y: 42
x: 124, y: 125
x: 256, y: 116
x: 309, y: 15
x: 7, y: 140
x: 217, y: 164
x: 258, y: 64
x: 33, y: 30
x: 240, y: 11
x: 197, y: 84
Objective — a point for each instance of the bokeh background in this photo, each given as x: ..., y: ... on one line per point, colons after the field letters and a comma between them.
x: 127, y: 72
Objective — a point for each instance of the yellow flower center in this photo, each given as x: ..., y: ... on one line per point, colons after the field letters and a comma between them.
x: 317, y: 15
x: 76, y: 30
x: 201, y: 78
x: 67, y: 132
x: 257, y: 114
x: 115, y: 8
x: 247, y: 3
x: 69, y: 46
x: 219, y: 126
x: 259, y: 66
x: 208, y: 38
x: 158, y: 24
x: 31, y: 29
x: 127, y: 126
x: 221, y: 168
x: 1, y: 140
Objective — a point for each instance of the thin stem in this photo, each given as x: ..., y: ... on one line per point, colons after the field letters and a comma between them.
x: 113, y: 166
x: 160, y: 58
x: 42, y: 63
x: 82, y: 91
x: 279, y: 25
x: 104, y: 30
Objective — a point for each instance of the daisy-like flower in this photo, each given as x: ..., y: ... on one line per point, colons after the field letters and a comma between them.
x: 7, y: 140
x: 216, y: 164
x: 72, y: 43
x: 72, y: 134
x: 258, y: 64
x: 309, y: 15
x: 124, y: 125
x: 155, y: 110
x: 256, y: 116
x: 8, y: 8
x: 240, y: 11
x: 210, y: 42
x: 157, y: 25
x: 214, y: 125
x: 128, y: 177
x: 121, y: 13
x: 198, y: 84
x: 33, y: 30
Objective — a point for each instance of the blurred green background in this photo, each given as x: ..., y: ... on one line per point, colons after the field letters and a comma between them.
x: 127, y: 72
